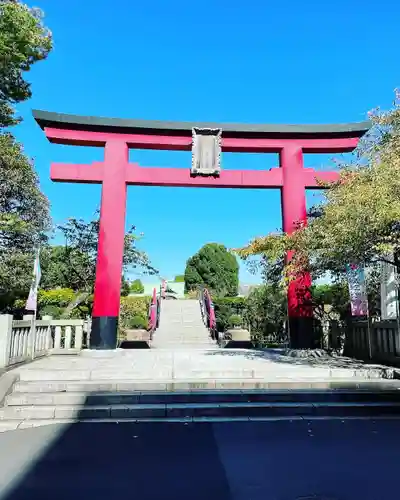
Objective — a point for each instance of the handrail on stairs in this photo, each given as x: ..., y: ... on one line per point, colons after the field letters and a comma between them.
x: 207, y: 311
x: 154, y: 312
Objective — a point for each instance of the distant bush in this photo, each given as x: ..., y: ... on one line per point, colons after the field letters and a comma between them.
x: 214, y: 267
x: 180, y: 278
x: 61, y: 297
x: 54, y: 311
x: 131, y: 307
x: 137, y: 322
x: 137, y: 287
x: 235, y: 320
x: 50, y: 300
x: 225, y: 307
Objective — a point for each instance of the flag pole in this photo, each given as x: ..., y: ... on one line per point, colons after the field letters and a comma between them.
x: 33, y: 330
x: 31, y: 304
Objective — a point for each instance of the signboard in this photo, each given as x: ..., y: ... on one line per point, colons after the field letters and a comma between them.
x: 206, y: 151
x: 389, y: 295
x: 357, y: 290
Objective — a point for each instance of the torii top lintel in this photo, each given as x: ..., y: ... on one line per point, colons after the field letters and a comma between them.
x: 154, y: 134
x: 290, y: 141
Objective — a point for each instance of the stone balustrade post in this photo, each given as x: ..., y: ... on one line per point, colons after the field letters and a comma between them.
x: 48, y: 340
x: 6, y: 322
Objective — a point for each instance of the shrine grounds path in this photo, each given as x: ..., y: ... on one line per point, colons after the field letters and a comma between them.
x: 281, y: 460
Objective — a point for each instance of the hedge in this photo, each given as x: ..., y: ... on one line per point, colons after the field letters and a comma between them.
x: 54, y: 302
x: 133, y: 306
x: 60, y: 298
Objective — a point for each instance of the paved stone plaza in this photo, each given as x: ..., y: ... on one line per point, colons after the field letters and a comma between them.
x: 192, y: 365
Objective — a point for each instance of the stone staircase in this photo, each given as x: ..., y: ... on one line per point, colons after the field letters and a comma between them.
x: 37, y: 403
x: 181, y: 327
x: 196, y: 385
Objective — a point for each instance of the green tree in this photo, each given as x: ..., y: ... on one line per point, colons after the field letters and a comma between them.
x: 358, y: 221
x: 74, y: 265
x: 137, y: 286
x: 215, y: 267
x: 24, y: 216
x: 125, y: 288
x: 24, y: 40
x: 265, y: 314
x: 24, y: 211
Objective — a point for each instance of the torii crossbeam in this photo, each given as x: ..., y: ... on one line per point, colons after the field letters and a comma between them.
x: 117, y: 136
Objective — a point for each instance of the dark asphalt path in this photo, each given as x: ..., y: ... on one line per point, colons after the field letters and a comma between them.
x: 329, y: 460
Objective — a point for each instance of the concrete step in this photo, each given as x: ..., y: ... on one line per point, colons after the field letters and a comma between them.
x: 166, y: 372
x: 199, y: 410
x: 122, y: 386
x: 199, y: 397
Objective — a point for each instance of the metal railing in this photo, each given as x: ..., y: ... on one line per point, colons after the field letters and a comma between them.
x: 207, y: 312
x: 154, y: 312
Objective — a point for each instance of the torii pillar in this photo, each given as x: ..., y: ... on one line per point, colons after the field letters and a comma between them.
x: 115, y: 173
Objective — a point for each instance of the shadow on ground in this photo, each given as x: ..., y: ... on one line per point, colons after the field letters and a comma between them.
x: 279, y: 356
x: 99, y: 461
x: 326, y: 460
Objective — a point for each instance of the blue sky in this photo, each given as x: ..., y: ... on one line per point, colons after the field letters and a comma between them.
x: 260, y: 61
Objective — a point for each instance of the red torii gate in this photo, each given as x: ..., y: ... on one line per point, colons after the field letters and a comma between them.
x: 115, y: 173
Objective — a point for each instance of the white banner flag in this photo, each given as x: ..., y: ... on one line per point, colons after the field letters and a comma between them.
x: 389, y: 306
x: 31, y: 303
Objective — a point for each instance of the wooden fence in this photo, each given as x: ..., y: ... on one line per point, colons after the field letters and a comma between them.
x: 376, y: 341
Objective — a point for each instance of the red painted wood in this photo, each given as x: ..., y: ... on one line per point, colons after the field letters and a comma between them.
x: 115, y: 173
x: 153, y: 310
x: 162, y: 142
x: 294, y: 211
x: 180, y: 177
x: 110, y: 251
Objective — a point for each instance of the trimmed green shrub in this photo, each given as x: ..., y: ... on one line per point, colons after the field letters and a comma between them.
x: 136, y: 286
x: 137, y: 322
x: 133, y: 306
x: 81, y: 312
x: 235, y: 320
x: 214, y: 267
x: 61, y: 297
x: 50, y: 310
x: 225, y: 307
x: 180, y: 278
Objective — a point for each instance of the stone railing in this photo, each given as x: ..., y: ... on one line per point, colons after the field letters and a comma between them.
x: 25, y: 340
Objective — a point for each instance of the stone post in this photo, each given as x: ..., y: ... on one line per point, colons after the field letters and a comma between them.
x: 48, y: 342
x: 5, y: 338
x: 32, y: 334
